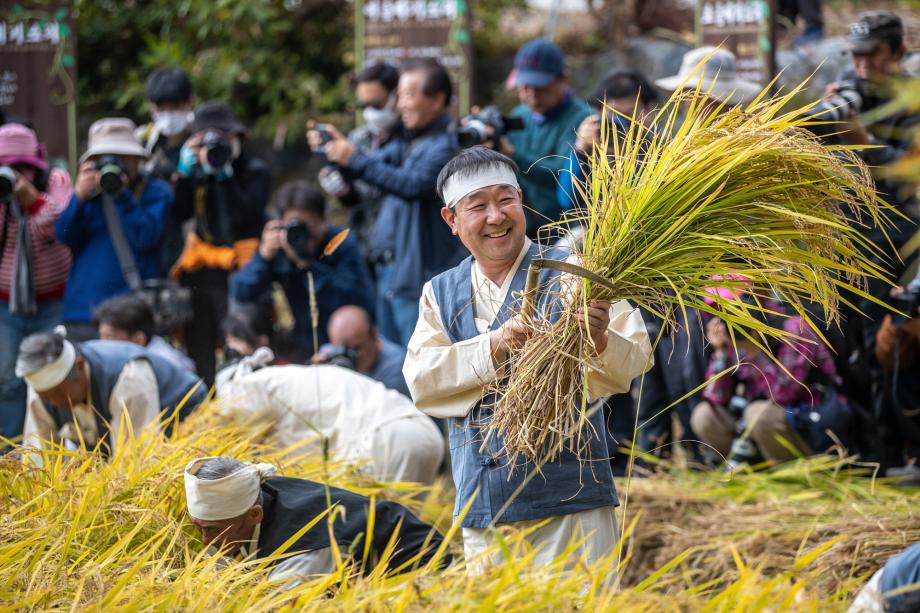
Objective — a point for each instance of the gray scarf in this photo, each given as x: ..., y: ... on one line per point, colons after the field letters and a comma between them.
x: 22, y: 287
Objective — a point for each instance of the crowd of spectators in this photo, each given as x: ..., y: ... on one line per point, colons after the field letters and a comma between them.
x: 172, y: 237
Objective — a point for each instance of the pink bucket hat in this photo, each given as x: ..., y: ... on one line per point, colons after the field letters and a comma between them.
x: 19, y: 145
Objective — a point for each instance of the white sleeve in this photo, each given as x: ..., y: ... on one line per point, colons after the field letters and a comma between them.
x: 304, y: 566
x: 628, y: 353
x: 869, y: 599
x: 445, y: 379
x: 39, y: 426
x: 135, y: 397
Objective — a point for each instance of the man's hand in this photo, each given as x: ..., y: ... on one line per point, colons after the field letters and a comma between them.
x: 588, y: 133
x: 338, y: 150
x: 25, y: 192
x: 87, y: 183
x: 717, y: 335
x: 272, y: 239
x: 511, y: 335
x: 505, y: 147
x: 597, y: 316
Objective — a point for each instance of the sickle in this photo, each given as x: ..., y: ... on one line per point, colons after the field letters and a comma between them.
x: 533, y: 275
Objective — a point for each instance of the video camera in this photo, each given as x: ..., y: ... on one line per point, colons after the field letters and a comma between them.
x: 112, y: 171
x: 217, y: 149
x: 7, y: 183
x: 475, y: 129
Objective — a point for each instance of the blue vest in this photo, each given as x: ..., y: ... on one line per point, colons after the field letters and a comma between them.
x: 566, y: 485
x: 899, y: 572
x: 106, y: 361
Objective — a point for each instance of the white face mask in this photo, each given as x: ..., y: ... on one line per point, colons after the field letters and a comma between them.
x: 170, y: 123
x: 381, y: 120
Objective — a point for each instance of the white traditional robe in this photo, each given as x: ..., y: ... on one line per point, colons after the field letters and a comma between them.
x: 448, y: 379
x: 362, y: 420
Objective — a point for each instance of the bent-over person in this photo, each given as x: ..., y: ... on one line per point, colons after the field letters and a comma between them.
x: 245, y: 511
x: 466, y: 329
x: 361, y: 419
x: 89, y: 392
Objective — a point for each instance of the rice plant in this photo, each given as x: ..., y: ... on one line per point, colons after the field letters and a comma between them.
x: 80, y: 533
x: 745, y: 195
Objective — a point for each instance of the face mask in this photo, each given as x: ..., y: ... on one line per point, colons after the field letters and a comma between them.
x: 170, y: 123
x: 236, y: 147
x: 381, y: 120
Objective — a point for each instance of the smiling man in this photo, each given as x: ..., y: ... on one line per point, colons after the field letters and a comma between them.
x: 467, y: 328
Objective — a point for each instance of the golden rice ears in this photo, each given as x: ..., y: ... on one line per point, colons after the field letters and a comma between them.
x: 698, y: 195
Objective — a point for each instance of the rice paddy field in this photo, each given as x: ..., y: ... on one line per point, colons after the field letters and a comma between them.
x: 80, y: 534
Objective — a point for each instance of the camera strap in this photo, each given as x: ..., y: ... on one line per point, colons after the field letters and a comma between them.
x: 122, y: 249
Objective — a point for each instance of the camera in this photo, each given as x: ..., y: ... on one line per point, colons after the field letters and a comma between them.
x: 299, y: 239
x: 842, y: 106
x: 111, y: 171
x: 906, y: 302
x: 475, y: 130
x: 340, y: 355
x: 217, y: 149
x: 7, y: 183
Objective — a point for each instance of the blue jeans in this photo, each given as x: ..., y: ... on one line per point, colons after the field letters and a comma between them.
x: 396, y: 317
x: 14, y: 328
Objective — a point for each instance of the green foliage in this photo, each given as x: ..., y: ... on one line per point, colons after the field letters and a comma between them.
x: 270, y: 62
x: 275, y: 61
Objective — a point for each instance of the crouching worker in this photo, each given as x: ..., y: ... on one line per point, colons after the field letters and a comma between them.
x: 245, y: 511
x: 89, y: 393
x: 361, y: 419
x: 465, y: 331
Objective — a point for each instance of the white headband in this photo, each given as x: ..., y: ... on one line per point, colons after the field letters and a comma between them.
x: 458, y: 187
x: 227, y: 497
x: 53, y: 374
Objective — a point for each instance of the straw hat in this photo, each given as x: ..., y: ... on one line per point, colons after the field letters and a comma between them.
x: 714, y: 70
x: 113, y: 136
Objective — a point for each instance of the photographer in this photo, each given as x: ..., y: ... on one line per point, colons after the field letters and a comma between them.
x: 411, y: 244
x: 355, y: 342
x: 222, y: 191
x: 551, y: 114
x: 745, y: 413
x: 169, y: 95
x: 33, y: 265
x: 291, y: 246
x: 112, y: 201
x: 632, y: 97
x: 375, y: 93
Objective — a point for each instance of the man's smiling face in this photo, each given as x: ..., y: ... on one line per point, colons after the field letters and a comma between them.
x: 490, y: 223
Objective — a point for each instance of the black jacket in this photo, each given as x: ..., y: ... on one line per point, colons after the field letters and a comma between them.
x: 289, y: 504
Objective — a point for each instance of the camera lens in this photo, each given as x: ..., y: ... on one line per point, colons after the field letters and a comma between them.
x: 7, y: 183
x: 298, y: 237
x: 111, y: 171
x: 217, y: 149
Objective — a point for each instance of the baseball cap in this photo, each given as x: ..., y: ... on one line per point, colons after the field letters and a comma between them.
x: 872, y: 28
x: 537, y: 63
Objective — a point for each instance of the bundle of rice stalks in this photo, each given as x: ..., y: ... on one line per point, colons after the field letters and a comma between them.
x: 748, y: 196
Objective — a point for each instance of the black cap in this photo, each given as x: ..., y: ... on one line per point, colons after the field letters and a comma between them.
x: 874, y: 27
x: 216, y: 116
x: 168, y: 85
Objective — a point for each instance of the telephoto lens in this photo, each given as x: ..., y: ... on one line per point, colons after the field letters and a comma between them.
x: 217, y: 150
x: 7, y: 183
x: 111, y: 172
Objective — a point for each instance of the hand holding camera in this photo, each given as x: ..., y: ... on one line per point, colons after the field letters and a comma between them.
x: 588, y: 133
x: 292, y: 237
x: 325, y: 138
x: 14, y: 184
x: 106, y: 174
x: 210, y: 151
